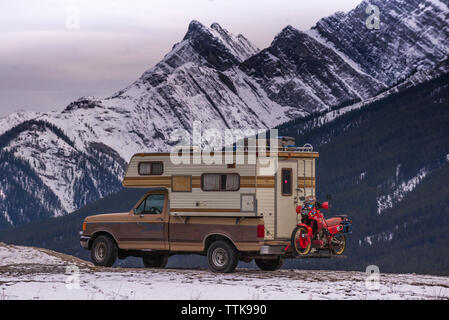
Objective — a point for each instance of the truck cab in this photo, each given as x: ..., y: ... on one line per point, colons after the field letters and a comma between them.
x: 150, y: 232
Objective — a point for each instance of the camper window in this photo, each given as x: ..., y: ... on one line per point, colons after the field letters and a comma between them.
x: 286, y: 182
x: 220, y: 182
x: 150, y: 168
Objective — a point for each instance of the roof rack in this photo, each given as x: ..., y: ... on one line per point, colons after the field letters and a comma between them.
x: 305, y: 148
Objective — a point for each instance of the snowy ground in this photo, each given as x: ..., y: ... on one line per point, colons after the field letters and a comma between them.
x: 31, y: 273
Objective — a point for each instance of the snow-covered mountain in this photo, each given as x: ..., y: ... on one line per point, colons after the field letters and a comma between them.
x: 412, y: 34
x: 296, y: 70
x: 59, y: 161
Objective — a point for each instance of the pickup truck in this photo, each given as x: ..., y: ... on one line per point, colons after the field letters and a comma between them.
x: 149, y: 231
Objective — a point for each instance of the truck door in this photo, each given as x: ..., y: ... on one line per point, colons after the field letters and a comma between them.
x: 286, y: 198
x: 147, y: 226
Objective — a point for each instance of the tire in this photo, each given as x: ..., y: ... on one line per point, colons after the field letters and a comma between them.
x: 269, y: 264
x: 296, y: 248
x: 104, y: 251
x: 155, y: 260
x: 222, y: 257
x: 339, y: 247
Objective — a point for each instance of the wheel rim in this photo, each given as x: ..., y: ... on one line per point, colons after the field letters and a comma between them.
x: 100, y: 252
x: 220, y: 257
x: 338, y: 244
x: 302, y: 243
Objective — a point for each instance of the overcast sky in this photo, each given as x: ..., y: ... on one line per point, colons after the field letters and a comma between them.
x: 46, y: 62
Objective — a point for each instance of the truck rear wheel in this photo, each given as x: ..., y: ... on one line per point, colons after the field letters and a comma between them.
x: 269, y: 264
x: 104, y: 251
x: 222, y: 257
x: 155, y: 260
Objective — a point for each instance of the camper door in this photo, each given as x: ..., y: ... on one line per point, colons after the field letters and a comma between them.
x: 286, y: 198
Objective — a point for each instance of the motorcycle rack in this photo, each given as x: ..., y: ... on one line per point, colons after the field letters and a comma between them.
x: 315, y: 255
x: 318, y: 255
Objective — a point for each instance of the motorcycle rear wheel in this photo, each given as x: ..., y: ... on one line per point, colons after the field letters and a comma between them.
x: 338, y: 244
x: 297, y: 233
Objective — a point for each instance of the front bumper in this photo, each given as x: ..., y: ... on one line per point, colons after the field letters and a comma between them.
x: 84, y: 241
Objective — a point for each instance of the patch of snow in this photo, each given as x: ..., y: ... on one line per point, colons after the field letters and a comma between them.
x: 384, y: 236
x: 21, y: 255
x: 369, y: 240
x: 385, y: 202
x: 389, y: 236
x: 398, y: 169
x: 362, y: 176
x: 7, y: 218
x: 440, y: 5
x: 315, y: 35
x: 15, y: 118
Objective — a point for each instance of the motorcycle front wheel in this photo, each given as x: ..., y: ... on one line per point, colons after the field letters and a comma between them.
x: 300, y: 242
x: 338, y: 244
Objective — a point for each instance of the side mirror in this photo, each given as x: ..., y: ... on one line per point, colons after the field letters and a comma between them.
x: 329, y: 197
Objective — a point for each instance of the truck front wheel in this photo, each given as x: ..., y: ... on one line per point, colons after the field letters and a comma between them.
x: 222, y: 257
x: 269, y: 264
x: 155, y: 260
x: 104, y: 251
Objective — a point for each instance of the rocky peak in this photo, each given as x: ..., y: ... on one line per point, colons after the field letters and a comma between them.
x: 215, y: 26
x: 217, y: 46
x: 83, y: 103
x: 286, y: 33
x: 196, y: 29
x: 292, y: 43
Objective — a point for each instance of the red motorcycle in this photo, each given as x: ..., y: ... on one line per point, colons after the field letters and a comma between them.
x: 314, y: 231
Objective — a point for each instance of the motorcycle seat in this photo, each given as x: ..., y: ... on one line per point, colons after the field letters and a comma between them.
x: 333, y: 221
